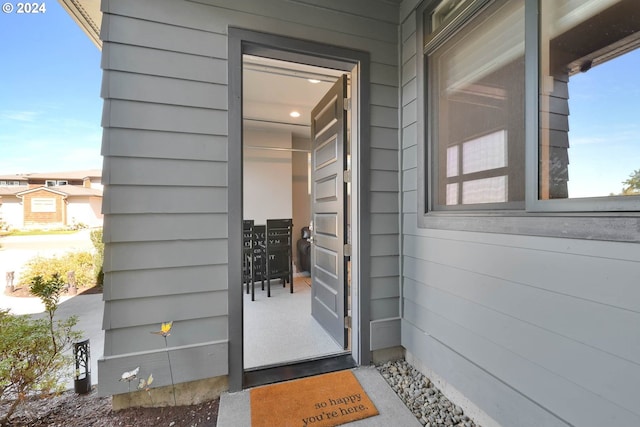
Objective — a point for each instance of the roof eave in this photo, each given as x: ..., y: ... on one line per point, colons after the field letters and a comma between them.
x: 87, y: 15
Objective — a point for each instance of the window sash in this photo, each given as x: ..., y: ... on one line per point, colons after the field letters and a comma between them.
x: 613, y: 219
x: 507, y: 49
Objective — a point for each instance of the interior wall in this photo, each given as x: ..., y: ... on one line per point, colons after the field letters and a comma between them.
x: 267, y: 176
x: 300, y: 187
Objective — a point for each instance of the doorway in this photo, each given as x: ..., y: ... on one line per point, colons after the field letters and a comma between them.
x: 279, y: 99
x: 300, y: 57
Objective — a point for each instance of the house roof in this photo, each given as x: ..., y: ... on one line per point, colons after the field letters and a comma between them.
x: 64, y: 190
x: 79, y: 174
x: 13, y: 177
x: 76, y: 190
x: 10, y: 190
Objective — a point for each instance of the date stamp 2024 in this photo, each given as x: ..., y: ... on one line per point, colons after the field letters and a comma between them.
x: 30, y: 8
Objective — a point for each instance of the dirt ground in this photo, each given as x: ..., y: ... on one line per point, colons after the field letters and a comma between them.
x: 72, y: 410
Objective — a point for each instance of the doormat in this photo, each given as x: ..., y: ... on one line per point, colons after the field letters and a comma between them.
x: 322, y: 401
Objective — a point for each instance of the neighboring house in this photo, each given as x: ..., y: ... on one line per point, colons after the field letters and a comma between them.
x: 467, y: 255
x: 51, y: 200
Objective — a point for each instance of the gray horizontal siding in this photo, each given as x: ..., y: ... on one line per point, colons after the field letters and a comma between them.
x: 278, y: 18
x: 187, y: 363
x: 160, y: 117
x: 384, y: 74
x: 165, y: 281
x: 386, y: 138
x: 484, y: 389
x: 145, y: 33
x: 154, y: 144
x: 569, y: 319
x: 382, y: 159
x: 184, y: 173
x: 384, y: 287
x: 144, y: 228
x: 385, y: 96
x: 377, y: 10
x: 163, y: 254
x: 165, y: 147
x: 143, y: 311
x: 384, y: 202
x: 315, y: 17
x: 156, y: 62
x: 534, y: 331
x: 184, y: 332
x: 142, y: 87
x: 382, y: 245
x: 148, y: 199
x: 541, y: 269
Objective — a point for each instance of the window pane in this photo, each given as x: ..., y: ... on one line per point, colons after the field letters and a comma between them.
x: 488, y: 190
x: 452, y: 161
x: 485, y: 153
x: 476, y: 110
x: 590, y: 98
x: 452, y: 194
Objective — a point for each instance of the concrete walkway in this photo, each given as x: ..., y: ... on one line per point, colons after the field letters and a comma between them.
x: 235, y: 408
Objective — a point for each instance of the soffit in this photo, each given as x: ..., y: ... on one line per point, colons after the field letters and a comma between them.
x: 87, y: 15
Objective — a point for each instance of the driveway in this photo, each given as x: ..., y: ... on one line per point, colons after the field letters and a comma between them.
x: 17, y: 250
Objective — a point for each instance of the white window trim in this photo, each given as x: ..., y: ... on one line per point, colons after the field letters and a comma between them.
x: 598, y: 218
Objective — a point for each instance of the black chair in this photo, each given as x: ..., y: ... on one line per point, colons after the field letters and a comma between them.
x: 259, y: 264
x: 278, y: 252
x: 247, y: 255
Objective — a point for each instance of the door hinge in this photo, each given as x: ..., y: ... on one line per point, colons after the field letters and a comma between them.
x: 347, y: 322
x: 347, y: 249
x: 346, y: 175
x: 347, y: 104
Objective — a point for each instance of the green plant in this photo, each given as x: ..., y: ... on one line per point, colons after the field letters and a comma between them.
x: 32, y: 357
x: 96, y: 240
x: 82, y: 263
x: 49, y: 293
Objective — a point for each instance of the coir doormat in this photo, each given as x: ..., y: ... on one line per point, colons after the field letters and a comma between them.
x: 322, y: 401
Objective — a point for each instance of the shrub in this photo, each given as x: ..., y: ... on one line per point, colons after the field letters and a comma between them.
x: 32, y: 357
x: 83, y: 263
x: 96, y: 239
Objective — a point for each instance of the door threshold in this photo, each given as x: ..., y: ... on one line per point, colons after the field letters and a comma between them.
x: 306, y: 368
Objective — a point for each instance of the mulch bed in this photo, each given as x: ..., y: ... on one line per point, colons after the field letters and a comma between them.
x: 72, y: 410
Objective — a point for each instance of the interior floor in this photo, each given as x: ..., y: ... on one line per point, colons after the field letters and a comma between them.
x: 281, y: 329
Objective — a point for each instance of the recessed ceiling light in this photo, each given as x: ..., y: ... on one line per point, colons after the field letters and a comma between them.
x: 314, y: 81
x: 294, y: 114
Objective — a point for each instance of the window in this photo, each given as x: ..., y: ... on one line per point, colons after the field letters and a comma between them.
x: 53, y: 182
x: 530, y: 109
x: 589, y: 99
x: 476, y: 95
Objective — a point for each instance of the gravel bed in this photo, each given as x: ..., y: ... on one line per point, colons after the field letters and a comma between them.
x: 425, y: 401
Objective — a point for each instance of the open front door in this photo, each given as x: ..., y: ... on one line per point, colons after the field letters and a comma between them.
x: 328, y: 208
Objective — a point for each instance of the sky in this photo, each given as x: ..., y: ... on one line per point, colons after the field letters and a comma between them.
x: 604, y: 127
x: 50, y: 105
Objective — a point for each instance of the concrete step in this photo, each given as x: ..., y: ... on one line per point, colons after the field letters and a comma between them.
x: 235, y: 408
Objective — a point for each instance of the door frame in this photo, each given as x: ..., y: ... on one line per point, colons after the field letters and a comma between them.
x: 243, y: 41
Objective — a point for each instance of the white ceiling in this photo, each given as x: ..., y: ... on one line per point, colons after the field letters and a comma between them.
x: 272, y: 89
